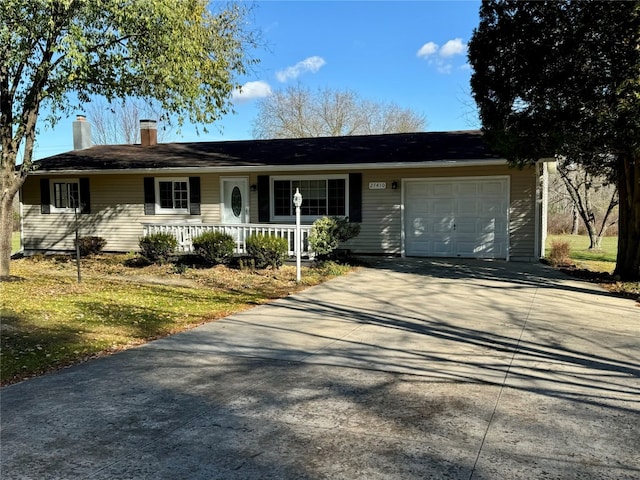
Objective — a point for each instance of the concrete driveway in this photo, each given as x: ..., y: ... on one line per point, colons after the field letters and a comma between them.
x: 408, y: 369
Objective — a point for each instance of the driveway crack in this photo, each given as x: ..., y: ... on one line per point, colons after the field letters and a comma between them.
x: 504, y: 382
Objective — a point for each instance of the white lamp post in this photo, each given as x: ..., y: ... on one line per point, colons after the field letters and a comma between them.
x: 297, y: 201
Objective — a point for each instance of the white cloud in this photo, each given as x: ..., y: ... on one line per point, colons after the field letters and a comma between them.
x: 251, y: 91
x: 440, y: 57
x: 311, y: 64
x: 428, y: 49
x: 453, y: 47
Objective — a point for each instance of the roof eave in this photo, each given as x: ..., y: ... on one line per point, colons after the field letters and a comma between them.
x: 278, y: 168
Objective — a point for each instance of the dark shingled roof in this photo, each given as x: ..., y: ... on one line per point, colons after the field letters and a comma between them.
x: 351, y: 150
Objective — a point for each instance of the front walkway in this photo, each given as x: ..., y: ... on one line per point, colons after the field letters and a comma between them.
x: 411, y: 369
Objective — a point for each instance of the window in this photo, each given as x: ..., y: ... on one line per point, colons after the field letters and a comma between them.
x: 320, y: 196
x: 172, y: 195
x: 66, y: 195
x: 63, y: 195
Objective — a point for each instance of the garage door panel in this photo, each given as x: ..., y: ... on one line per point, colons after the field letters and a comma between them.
x: 467, y: 226
x: 443, y: 226
x: 442, y: 207
x: 442, y: 190
x: 442, y: 247
x: 493, y: 208
x: 497, y: 188
x: 457, y: 217
x: 467, y: 208
x: 468, y: 189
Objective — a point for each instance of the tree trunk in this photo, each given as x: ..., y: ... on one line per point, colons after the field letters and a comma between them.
x: 575, y: 227
x: 628, y: 261
x: 6, y: 232
x: 10, y: 183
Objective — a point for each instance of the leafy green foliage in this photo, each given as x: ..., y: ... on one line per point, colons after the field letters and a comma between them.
x: 327, y: 233
x: 214, y: 247
x: 183, y: 56
x: 91, y: 245
x: 563, y: 78
x: 158, y: 247
x: 267, y: 250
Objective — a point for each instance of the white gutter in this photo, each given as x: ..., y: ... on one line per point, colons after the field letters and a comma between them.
x: 278, y: 168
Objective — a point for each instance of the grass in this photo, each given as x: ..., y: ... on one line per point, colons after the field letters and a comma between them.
x: 598, y: 265
x: 15, y: 242
x: 603, y: 260
x: 49, y: 320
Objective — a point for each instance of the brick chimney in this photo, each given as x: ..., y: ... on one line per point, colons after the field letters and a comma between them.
x: 81, y: 133
x: 148, y: 133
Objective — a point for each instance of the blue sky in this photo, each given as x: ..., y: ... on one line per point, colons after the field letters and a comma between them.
x: 410, y: 53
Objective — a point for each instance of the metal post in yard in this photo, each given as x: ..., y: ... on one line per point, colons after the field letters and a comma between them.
x: 297, y: 201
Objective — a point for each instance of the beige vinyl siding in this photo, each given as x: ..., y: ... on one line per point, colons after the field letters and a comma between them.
x: 522, y: 217
x: 117, y: 209
x: 117, y: 213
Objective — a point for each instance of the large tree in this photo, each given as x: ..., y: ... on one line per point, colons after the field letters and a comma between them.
x: 563, y: 78
x: 592, y: 200
x: 299, y: 112
x: 56, y: 54
x: 118, y: 122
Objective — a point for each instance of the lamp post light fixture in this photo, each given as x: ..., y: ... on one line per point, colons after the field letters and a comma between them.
x: 297, y: 202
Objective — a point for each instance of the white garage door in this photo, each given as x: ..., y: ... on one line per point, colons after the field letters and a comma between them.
x: 457, y: 217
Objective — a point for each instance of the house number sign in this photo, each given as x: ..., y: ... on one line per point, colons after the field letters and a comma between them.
x: 377, y: 185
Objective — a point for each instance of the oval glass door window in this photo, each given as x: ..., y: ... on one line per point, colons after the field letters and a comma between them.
x: 236, y: 201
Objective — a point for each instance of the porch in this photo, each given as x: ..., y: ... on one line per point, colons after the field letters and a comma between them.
x: 185, y: 232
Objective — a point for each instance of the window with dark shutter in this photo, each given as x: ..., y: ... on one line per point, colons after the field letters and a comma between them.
x: 263, y: 199
x: 194, y: 195
x: 85, y: 198
x: 45, y: 196
x: 149, y: 196
x: 355, y: 197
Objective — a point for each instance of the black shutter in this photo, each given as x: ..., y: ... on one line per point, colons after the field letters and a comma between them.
x: 85, y: 197
x: 194, y: 195
x: 149, y: 196
x: 45, y: 196
x: 355, y: 197
x: 263, y: 198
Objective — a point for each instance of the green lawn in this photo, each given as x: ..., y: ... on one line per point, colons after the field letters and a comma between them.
x: 601, y: 261
x: 15, y: 242
x: 49, y: 320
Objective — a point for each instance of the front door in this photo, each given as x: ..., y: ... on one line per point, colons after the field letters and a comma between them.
x: 235, y: 200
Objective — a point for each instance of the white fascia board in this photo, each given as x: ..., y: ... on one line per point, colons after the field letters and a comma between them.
x: 279, y: 168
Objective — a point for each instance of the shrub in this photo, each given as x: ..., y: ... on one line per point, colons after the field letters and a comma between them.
x: 214, y: 247
x: 158, y: 247
x: 267, y: 250
x: 559, y: 253
x: 328, y: 233
x: 90, y: 245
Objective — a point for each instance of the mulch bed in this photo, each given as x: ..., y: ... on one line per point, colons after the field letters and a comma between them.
x: 606, y: 280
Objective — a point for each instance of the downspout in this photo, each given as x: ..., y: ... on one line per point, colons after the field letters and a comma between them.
x: 537, y: 238
x: 544, y: 167
x: 544, y: 208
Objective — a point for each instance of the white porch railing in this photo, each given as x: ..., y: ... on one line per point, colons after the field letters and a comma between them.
x: 186, y: 232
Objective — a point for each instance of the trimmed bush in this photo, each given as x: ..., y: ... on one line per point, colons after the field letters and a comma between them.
x: 560, y: 253
x: 327, y: 233
x: 90, y: 245
x: 267, y: 250
x: 158, y: 247
x: 214, y: 247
